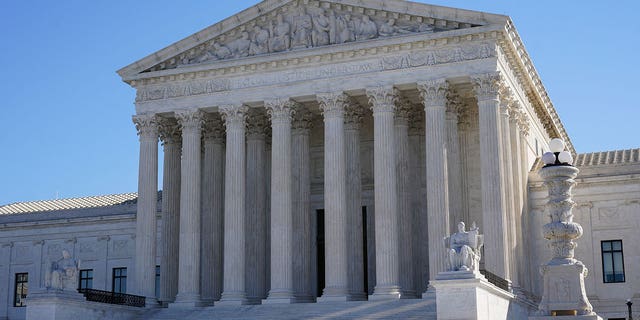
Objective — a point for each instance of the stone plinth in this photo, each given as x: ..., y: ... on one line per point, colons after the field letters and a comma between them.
x: 466, y: 295
x: 68, y: 305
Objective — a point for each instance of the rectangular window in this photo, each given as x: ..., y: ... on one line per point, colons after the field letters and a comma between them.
x: 21, y: 288
x: 86, y: 279
x: 119, y: 281
x: 157, y: 281
x: 612, y: 261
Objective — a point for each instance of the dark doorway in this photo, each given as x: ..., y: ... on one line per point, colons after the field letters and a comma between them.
x: 320, y: 252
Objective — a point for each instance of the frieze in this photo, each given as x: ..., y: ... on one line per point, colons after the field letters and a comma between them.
x: 409, y: 60
x: 306, y: 24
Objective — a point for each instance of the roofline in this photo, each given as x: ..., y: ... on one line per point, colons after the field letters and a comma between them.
x: 400, y: 6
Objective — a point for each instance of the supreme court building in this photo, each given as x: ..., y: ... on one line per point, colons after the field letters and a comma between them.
x: 319, y: 151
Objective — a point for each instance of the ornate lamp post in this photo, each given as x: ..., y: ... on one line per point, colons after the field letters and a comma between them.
x: 564, y: 292
x: 629, y: 304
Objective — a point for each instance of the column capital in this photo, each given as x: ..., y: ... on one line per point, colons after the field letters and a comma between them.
x: 434, y: 92
x: 416, y: 122
x: 524, y: 123
x: 146, y: 125
x: 190, y: 120
x: 234, y: 115
x: 302, y: 121
x: 466, y: 116
x: 382, y: 99
x: 257, y: 124
x: 353, y: 116
x: 332, y: 104
x: 514, y: 111
x: 454, y: 105
x: 169, y: 131
x: 404, y: 110
x: 488, y: 86
x: 214, y: 127
x: 280, y: 110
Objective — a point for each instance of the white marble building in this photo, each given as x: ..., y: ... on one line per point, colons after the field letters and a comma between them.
x: 318, y: 151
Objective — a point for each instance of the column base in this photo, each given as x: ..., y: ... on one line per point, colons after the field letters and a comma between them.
x: 334, y: 294
x: 408, y: 294
x: 236, y: 298
x: 187, y: 300
x: 358, y: 296
x: 305, y: 299
x: 385, y: 293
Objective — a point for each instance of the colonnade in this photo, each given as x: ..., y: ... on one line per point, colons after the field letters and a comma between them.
x: 218, y: 196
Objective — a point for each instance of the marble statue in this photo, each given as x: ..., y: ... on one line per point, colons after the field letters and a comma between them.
x: 280, y: 35
x: 63, y: 274
x: 366, y: 29
x: 345, y: 29
x: 302, y: 29
x: 390, y: 28
x: 240, y: 46
x: 321, y: 29
x: 464, y: 248
x: 260, y: 41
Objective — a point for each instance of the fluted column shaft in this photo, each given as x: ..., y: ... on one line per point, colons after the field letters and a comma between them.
x: 434, y: 95
x: 234, y: 206
x: 302, y: 241
x: 335, y: 201
x: 146, y: 224
x: 212, y: 209
x: 382, y: 100
x: 454, y: 166
x: 353, y: 119
x: 509, y: 185
x: 491, y: 167
x: 418, y: 201
x: 256, y: 226
x: 519, y: 129
x: 281, y: 202
x: 170, y: 243
x: 189, y: 256
x: 405, y: 223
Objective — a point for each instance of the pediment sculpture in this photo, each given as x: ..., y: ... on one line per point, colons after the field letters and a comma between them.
x: 463, y: 249
x: 63, y: 273
x: 299, y: 26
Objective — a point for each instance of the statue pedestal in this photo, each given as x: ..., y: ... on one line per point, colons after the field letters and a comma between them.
x: 564, y: 293
x: 468, y: 295
x: 52, y: 304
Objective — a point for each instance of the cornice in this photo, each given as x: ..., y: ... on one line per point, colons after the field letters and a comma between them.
x: 529, y: 79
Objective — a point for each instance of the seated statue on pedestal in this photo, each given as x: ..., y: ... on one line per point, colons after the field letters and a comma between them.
x: 464, y: 249
x: 63, y: 274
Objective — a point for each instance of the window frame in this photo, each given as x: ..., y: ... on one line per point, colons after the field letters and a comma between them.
x: 613, y: 265
x: 119, y: 278
x: 82, y: 272
x: 21, y: 285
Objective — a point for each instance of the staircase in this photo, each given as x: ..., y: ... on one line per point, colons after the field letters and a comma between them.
x: 392, y: 309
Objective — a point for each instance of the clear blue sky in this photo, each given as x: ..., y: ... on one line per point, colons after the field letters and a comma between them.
x: 66, y: 116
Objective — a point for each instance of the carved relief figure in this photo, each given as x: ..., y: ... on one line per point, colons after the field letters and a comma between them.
x: 215, y: 52
x: 280, y: 35
x: 345, y: 29
x: 240, y: 46
x: 302, y: 28
x: 390, y: 28
x: 321, y: 29
x: 260, y: 41
x: 464, y: 249
x: 366, y: 29
x: 63, y: 274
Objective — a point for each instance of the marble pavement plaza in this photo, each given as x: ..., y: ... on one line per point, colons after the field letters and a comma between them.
x: 315, y: 155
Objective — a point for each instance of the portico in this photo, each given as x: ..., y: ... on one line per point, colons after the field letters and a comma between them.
x: 283, y: 141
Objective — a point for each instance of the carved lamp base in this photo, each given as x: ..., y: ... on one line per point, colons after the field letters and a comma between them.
x: 564, y: 292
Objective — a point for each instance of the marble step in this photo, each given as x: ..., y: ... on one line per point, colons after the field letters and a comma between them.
x: 394, y: 309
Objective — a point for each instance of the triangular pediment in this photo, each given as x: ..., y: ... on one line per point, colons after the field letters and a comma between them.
x: 277, y: 26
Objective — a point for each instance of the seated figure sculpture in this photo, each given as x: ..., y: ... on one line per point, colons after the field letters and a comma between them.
x: 464, y: 249
x: 63, y: 274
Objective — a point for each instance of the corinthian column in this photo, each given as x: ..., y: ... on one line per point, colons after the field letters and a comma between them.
x: 256, y: 273
x: 454, y: 166
x: 405, y: 214
x: 492, y: 171
x: 418, y: 200
x: 281, y: 202
x: 355, y: 254
x: 302, y: 241
x: 434, y: 96
x: 189, y: 257
x: 335, y: 200
x: 146, y: 224
x: 172, y: 142
x: 212, y: 209
x: 508, y: 180
x: 234, y: 206
x: 382, y: 100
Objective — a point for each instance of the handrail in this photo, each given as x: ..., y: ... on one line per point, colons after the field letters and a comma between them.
x: 113, y: 297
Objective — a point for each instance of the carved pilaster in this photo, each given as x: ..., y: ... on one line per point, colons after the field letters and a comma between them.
x: 257, y: 124
x: 213, y: 128
x: 302, y: 121
x: 404, y: 110
x: 353, y: 116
